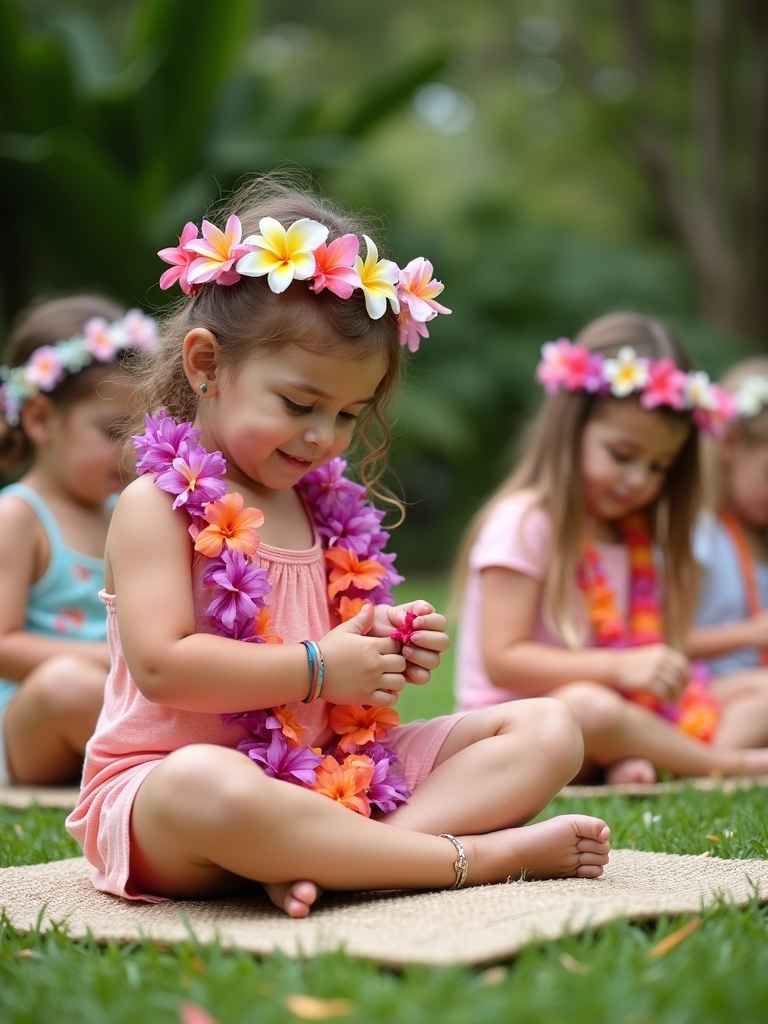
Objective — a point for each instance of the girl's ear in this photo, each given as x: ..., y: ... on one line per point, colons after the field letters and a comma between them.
x: 38, y: 417
x: 201, y: 360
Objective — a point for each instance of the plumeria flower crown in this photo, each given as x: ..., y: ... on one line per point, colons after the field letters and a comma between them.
x: 301, y: 252
x: 565, y: 366
x: 48, y: 365
x: 751, y: 396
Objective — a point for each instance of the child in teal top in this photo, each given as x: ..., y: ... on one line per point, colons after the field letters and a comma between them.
x: 64, y: 398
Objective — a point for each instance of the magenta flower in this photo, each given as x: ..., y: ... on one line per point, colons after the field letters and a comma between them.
x: 553, y: 368
x: 297, y: 765
x: 723, y: 410
x: 335, y: 266
x: 665, y: 385
x: 218, y: 251
x: 181, y: 258
x: 195, y: 477
x: 254, y: 722
x: 162, y: 442
x: 239, y: 588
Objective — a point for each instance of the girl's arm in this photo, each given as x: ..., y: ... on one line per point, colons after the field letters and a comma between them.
x: 710, y: 641
x: 515, y: 662
x: 149, y: 554
x: 21, y: 652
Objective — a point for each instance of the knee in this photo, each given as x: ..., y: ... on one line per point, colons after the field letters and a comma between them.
x: 558, y: 734
x: 206, y: 788
x: 66, y: 687
x: 597, y: 708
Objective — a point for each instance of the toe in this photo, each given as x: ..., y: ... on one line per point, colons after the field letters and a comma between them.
x: 589, y: 871
x: 592, y: 846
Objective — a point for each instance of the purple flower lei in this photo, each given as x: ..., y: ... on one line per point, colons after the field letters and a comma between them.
x: 343, y: 518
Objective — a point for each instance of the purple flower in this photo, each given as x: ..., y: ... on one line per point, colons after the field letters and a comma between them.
x: 254, y: 722
x: 387, y: 788
x: 354, y: 524
x: 280, y: 761
x: 323, y: 487
x: 239, y: 586
x: 162, y: 442
x: 593, y: 379
x: 195, y: 478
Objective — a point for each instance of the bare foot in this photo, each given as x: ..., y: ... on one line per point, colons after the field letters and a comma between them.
x: 747, y: 762
x: 631, y: 769
x: 295, y: 898
x: 566, y: 846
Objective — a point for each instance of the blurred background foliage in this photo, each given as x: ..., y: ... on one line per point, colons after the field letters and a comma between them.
x: 554, y: 160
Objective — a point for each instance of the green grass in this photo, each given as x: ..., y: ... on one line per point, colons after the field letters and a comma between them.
x: 718, y: 974
x: 436, y: 697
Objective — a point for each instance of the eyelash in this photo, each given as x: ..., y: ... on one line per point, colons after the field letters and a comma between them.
x: 305, y: 410
x: 623, y: 459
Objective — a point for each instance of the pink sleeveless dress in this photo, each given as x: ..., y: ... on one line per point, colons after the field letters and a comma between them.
x: 133, y: 735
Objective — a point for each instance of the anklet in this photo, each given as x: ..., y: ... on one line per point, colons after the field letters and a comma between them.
x: 460, y: 866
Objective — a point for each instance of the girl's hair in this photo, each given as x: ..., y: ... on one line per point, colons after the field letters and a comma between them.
x: 248, y: 318
x: 550, y: 467
x: 749, y: 429
x: 45, y: 323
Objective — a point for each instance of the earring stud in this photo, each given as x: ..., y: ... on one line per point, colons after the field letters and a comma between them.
x: 204, y: 388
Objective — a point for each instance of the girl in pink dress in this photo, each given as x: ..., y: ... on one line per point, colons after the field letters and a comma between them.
x: 248, y: 730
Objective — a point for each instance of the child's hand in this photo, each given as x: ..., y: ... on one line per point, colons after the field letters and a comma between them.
x: 362, y: 669
x: 655, y: 669
x: 428, y: 639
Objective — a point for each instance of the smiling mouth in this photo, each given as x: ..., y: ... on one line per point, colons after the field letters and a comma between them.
x: 293, y: 461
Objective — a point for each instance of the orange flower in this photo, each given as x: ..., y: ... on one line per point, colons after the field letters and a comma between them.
x: 348, y: 571
x: 264, y: 627
x: 357, y: 725
x: 289, y: 726
x: 346, y: 784
x: 231, y: 524
x: 349, y: 607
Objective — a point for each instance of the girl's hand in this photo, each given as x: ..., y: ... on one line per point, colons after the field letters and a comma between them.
x: 655, y: 669
x: 361, y: 669
x: 428, y: 641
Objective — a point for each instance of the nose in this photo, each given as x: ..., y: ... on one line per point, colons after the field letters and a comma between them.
x: 322, y: 434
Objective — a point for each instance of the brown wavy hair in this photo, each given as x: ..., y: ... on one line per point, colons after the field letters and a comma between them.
x: 44, y: 323
x: 550, y: 468
x: 248, y: 317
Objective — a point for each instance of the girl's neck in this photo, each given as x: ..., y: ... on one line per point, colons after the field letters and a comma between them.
x: 602, y: 530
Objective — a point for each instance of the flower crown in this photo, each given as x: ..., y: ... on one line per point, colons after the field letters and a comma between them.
x: 568, y: 367
x: 751, y: 396
x: 300, y: 253
x: 49, y: 364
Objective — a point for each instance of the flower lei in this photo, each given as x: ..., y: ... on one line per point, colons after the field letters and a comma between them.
x: 301, y: 253
x: 697, y: 712
x: 568, y: 367
x: 359, y: 771
x: 49, y: 364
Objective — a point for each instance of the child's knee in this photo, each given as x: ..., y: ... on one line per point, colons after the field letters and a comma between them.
x: 559, y: 733
x: 65, y: 687
x: 597, y: 708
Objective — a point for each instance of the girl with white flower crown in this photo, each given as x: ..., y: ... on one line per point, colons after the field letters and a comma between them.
x: 731, y: 545
x: 64, y: 399
x: 248, y: 731
x: 577, y: 579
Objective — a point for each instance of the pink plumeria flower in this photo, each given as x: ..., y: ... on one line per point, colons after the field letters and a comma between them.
x: 626, y: 373
x: 553, y: 367
x: 378, y: 279
x: 100, y: 340
x: 576, y: 372
x: 181, y: 258
x: 722, y: 411
x: 665, y: 386
x: 283, y: 255
x: 416, y: 292
x: 335, y: 266
x: 218, y: 251
x: 44, y: 368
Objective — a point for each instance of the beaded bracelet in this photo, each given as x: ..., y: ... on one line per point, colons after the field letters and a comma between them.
x: 316, y: 671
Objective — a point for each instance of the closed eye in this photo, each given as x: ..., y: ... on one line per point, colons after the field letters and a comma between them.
x: 296, y: 409
x: 348, y: 417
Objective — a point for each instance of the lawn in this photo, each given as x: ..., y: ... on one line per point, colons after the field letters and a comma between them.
x: 718, y: 973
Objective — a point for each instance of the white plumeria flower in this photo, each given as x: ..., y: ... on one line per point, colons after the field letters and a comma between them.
x: 626, y: 373
x: 752, y: 396
x: 378, y: 280
x: 282, y: 255
x: 698, y: 391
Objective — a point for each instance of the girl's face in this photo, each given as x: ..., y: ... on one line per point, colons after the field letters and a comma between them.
x: 626, y: 453
x: 83, y: 451
x: 745, y: 464
x: 284, y: 413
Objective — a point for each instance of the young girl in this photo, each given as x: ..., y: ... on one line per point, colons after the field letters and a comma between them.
x: 731, y: 545
x: 64, y: 398
x: 283, y: 645
x: 562, y: 568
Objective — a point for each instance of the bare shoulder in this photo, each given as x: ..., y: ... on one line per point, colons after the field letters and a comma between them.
x: 144, y: 509
x: 20, y: 527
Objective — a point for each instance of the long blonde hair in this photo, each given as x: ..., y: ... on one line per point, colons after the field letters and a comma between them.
x: 550, y: 467
x: 749, y: 429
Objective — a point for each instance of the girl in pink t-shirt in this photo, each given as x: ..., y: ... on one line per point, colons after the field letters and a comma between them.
x: 561, y: 577
x: 248, y: 731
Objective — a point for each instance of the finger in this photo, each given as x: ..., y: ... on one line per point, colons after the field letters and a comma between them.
x: 435, y: 622
x: 394, y: 663
x: 418, y: 656
x: 415, y: 674
x: 383, y: 699
x: 419, y: 608
x: 432, y: 640
x: 394, y: 681
x: 388, y: 646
